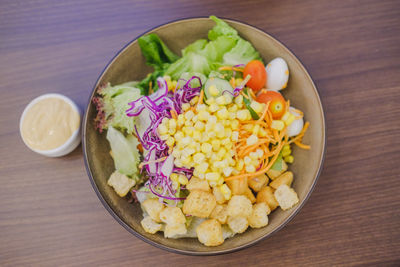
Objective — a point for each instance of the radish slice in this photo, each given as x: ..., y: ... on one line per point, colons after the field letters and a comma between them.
x: 168, y: 166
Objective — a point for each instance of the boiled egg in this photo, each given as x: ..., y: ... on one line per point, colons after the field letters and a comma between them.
x: 296, y: 126
x: 277, y: 74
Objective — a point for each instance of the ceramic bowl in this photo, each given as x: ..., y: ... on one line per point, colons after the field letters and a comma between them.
x: 129, y: 64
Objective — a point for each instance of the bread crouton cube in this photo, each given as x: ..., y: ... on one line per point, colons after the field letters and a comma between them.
x: 250, y: 195
x: 153, y: 207
x: 220, y: 213
x: 273, y: 174
x: 209, y: 233
x: 121, y: 183
x: 219, y: 197
x: 199, y: 203
x: 285, y: 178
x: 267, y: 195
x: 259, y: 215
x: 173, y: 231
x: 150, y: 226
x: 238, y: 224
x: 286, y: 197
x: 238, y: 186
x: 258, y: 182
x: 239, y: 206
x: 172, y: 216
x: 198, y: 184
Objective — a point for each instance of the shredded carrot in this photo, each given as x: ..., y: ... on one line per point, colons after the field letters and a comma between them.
x: 150, y: 87
x: 299, y: 137
x: 232, y: 82
x: 263, y: 170
x: 301, y: 145
x: 230, y: 68
x: 265, y: 112
x: 174, y: 114
x: 252, y: 94
x: 201, y: 97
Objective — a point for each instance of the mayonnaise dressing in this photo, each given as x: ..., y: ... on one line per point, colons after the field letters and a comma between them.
x: 49, y: 123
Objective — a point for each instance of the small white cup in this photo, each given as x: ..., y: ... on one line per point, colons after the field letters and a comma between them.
x: 70, y: 144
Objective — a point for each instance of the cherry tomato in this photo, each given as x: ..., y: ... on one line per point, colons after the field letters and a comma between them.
x: 258, y: 79
x: 277, y: 105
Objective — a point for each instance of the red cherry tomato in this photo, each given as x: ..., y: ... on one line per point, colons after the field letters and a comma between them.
x: 258, y: 79
x: 277, y: 105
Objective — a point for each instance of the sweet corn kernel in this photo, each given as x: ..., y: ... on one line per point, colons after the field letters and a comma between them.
x: 235, y: 136
x: 247, y: 160
x: 164, y: 137
x: 222, y: 114
x: 194, y: 100
x: 251, y: 140
x: 203, y: 115
x: 172, y: 123
x: 210, y: 101
x: 201, y: 107
x: 243, y: 115
x: 212, y: 176
x: 170, y: 141
x: 182, y: 179
x: 289, y: 159
x: 197, y: 135
x: 253, y: 155
x: 277, y: 125
x: 220, y: 100
x: 262, y: 133
x: 195, y: 118
x: 175, y: 185
x: 202, y: 167
x: 185, y: 106
x: 212, y: 119
x: 288, y: 118
x: 185, y: 140
x: 228, y: 99
x: 185, y: 160
x: 181, y: 120
x: 165, y: 121
x: 226, y: 192
x: 227, y: 171
x: 228, y: 132
x: 178, y: 135
x: 240, y: 165
x: 162, y: 129
x: 260, y: 153
x: 256, y: 129
x: 219, y: 130
x: 286, y: 152
x: 189, y: 115
x: 174, y: 177
x: 233, y: 108
x: 178, y: 163
x: 235, y: 125
x: 257, y: 107
x: 199, y: 157
x: 239, y: 101
x: 199, y: 125
x: 213, y: 90
x: 250, y: 168
x: 213, y: 107
x: 206, y: 148
x: 221, y: 153
x: 216, y: 144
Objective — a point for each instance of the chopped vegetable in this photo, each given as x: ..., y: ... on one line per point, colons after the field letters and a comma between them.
x: 256, y: 70
x: 277, y: 104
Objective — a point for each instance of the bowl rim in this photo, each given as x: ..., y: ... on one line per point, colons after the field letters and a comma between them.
x: 189, y: 252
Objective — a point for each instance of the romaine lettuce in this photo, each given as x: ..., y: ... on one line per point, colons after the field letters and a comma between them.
x: 242, y: 53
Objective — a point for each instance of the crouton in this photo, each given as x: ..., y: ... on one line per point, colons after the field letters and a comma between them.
x: 258, y: 182
x: 220, y: 213
x: 259, y: 215
x: 273, y: 174
x: 285, y: 178
x: 198, y: 184
x: 267, y: 195
x: 121, y: 183
x: 239, y: 206
x: 209, y: 233
x: 172, y: 216
x: 238, y: 224
x: 286, y: 197
x: 173, y: 231
x: 238, y: 186
x: 199, y: 203
x: 219, y: 197
x: 153, y: 207
x: 150, y: 226
x: 250, y: 195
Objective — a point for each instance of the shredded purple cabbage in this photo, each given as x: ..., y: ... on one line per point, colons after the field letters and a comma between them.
x: 160, y: 104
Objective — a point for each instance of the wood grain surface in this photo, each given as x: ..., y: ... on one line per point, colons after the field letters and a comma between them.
x: 50, y: 215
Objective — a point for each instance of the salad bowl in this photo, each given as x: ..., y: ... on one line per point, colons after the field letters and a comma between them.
x: 129, y: 64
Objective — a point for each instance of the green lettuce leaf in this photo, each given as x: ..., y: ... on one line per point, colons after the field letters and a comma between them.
x: 191, y: 62
x: 242, y: 53
x: 125, y: 153
x: 221, y: 28
x: 112, y: 104
x: 194, y: 47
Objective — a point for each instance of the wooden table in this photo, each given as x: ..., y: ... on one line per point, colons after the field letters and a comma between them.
x: 49, y: 213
